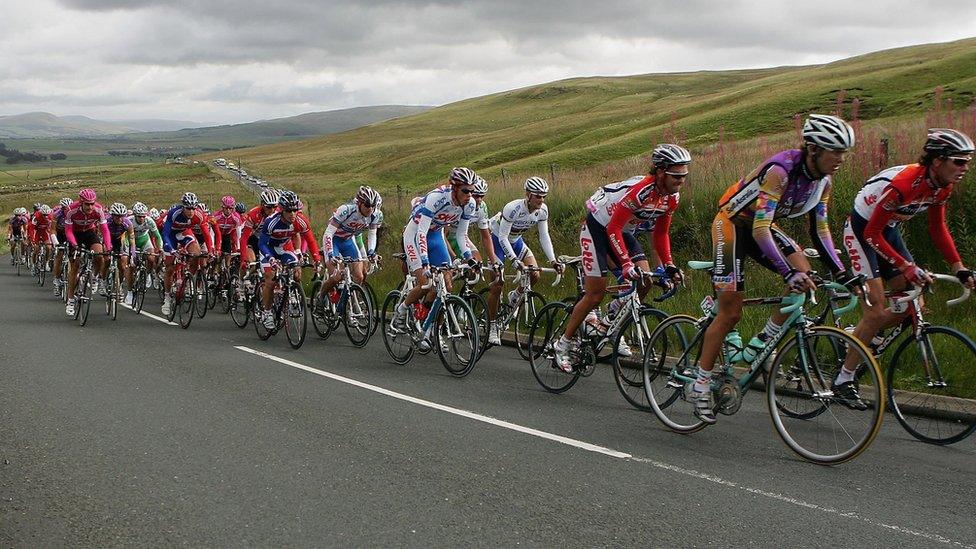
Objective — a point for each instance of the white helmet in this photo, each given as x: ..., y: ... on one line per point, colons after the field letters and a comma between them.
x: 65, y: 202
x: 536, y: 185
x: 270, y: 198
x: 666, y: 155
x: 828, y: 132
x: 154, y: 213
x: 480, y: 186
x: 20, y: 211
x: 118, y: 209
x: 45, y: 209
x: 368, y: 196
x: 462, y: 176
x: 189, y: 200
x: 946, y: 142
x: 139, y: 209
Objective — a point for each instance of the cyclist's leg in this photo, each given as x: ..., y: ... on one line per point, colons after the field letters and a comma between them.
x: 729, y: 283
x: 497, y: 283
x: 414, y: 266
x: 595, y: 247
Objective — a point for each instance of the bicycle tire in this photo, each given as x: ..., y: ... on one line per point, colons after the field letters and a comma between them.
x: 666, y: 385
x: 805, y: 437
x: 83, y: 297
x: 524, y: 317
x: 187, y: 300
x: 358, y: 333
x: 295, y: 312
x: 628, y: 371
x: 139, y: 295
x: 457, y: 357
x: 111, y: 295
x: 200, y: 293
x: 240, y: 305
x: 375, y: 306
x: 933, y: 413
x: 548, y: 327
x: 256, y: 308
x: 480, y: 309
x: 399, y: 345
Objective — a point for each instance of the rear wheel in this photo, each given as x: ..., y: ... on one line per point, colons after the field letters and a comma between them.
x: 397, y: 342
x: 323, y: 316
x: 456, y: 336
x: 534, y: 302
x: 669, y: 369
x: 257, y: 311
x: 480, y: 309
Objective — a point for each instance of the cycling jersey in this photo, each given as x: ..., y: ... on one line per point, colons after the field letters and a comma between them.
x: 77, y: 221
x: 508, y: 226
x: 18, y: 224
x: 276, y: 232
x: 227, y: 228
x: 252, y: 227
x: 118, y: 230
x: 147, y: 236
x: 898, y: 194
x: 758, y: 200
x: 623, y: 206
x: 178, y: 224
x: 347, y: 222
x: 431, y: 214
x: 40, y: 225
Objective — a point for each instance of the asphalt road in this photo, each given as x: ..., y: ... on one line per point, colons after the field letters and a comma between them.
x: 138, y: 433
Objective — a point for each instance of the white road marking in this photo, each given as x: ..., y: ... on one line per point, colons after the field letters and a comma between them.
x: 150, y: 315
x: 607, y: 451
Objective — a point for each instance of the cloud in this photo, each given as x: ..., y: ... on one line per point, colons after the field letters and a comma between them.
x: 235, y: 60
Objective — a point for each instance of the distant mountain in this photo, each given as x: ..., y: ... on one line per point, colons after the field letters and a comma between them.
x: 156, y: 124
x: 42, y: 124
x: 293, y: 127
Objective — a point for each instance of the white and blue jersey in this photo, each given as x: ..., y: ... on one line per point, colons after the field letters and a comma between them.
x: 514, y: 220
x: 429, y: 216
x: 347, y: 222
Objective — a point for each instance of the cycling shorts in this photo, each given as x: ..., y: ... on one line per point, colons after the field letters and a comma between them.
x: 731, y: 243
x: 519, y: 247
x: 597, y: 253
x: 345, y: 247
x: 87, y: 239
x: 281, y: 253
x: 864, y: 260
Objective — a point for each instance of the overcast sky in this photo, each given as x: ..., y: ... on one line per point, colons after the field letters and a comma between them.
x: 224, y: 61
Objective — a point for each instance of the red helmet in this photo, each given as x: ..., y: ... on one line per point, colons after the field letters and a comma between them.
x: 228, y: 201
x: 87, y: 196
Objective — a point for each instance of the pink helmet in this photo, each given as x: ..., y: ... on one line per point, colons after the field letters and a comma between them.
x: 228, y: 201
x: 88, y: 196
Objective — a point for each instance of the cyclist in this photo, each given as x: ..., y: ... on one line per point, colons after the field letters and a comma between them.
x: 252, y: 226
x: 790, y: 184
x: 147, y: 241
x: 228, y: 224
x: 277, y: 230
x: 178, y: 233
x: 362, y: 215
x: 17, y: 230
x: 41, y: 233
x: 80, y: 223
x: 59, y: 238
x: 120, y: 230
x: 480, y: 219
x: 607, y: 234
x: 506, y: 229
x: 874, y: 243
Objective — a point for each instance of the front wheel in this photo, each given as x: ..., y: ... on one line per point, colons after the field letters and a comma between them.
x: 358, y: 315
x: 932, y: 385
x: 186, y: 300
x: 547, y: 327
x: 841, y: 431
x: 524, y: 317
x: 669, y: 369
x: 239, y: 305
x: 296, y: 315
x: 396, y: 340
x: 630, y: 344
x: 456, y: 336
x: 200, y: 293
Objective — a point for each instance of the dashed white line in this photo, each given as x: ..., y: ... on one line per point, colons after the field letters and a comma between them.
x: 607, y: 451
x: 152, y: 316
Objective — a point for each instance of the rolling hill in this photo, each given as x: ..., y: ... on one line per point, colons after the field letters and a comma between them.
x: 42, y: 124
x: 587, y: 121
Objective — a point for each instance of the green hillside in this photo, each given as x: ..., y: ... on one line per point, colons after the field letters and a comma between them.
x: 586, y: 121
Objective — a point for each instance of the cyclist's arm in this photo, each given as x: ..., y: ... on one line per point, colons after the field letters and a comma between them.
x: 154, y: 234
x: 488, y: 245
x: 371, y: 240
x: 130, y: 234
x: 327, y: 245
x: 461, y: 237
x: 69, y: 232
x: 309, y: 238
x: 819, y: 227
x: 769, y: 195
x: 662, y: 239
x: 207, y: 236
x: 168, y: 233
x: 545, y: 241
x: 939, y: 231
x: 263, y: 243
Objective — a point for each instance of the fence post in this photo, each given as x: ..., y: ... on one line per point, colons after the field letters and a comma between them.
x: 399, y: 197
x: 884, y: 151
x: 505, y: 177
x: 552, y: 173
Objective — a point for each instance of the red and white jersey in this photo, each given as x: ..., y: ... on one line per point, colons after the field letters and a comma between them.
x: 81, y: 221
x: 42, y: 222
x: 228, y: 223
x: 638, y: 194
x: 915, y: 193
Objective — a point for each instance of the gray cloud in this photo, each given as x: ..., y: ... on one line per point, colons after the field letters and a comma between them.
x: 240, y: 59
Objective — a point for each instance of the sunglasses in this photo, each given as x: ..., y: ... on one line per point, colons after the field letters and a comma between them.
x: 465, y: 191
x: 479, y: 196
x: 960, y: 161
x: 677, y: 175
x: 542, y: 196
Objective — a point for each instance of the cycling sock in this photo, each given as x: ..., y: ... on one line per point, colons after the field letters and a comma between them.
x: 704, y: 381
x: 844, y: 376
x: 771, y: 329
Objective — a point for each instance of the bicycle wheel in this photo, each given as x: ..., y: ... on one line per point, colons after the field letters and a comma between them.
x: 547, y: 328
x: 257, y: 309
x: 111, y: 294
x: 139, y: 292
x: 534, y: 302
x: 358, y: 315
x: 213, y: 289
x: 397, y: 342
x: 186, y: 300
x: 839, y: 433
x: 480, y: 309
x: 200, y: 293
x: 240, y: 305
x: 322, y: 312
x: 223, y: 294
x: 83, y: 297
x: 375, y: 304
x: 628, y: 371
x: 668, y: 371
x: 296, y: 315
x: 932, y: 385
x: 456, y: 336
x: 42, y: 267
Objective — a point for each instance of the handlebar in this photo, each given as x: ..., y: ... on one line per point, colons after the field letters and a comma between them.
x: 916, y: 291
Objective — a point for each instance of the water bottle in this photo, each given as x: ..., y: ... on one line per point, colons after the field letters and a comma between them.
x: 733, y: 345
